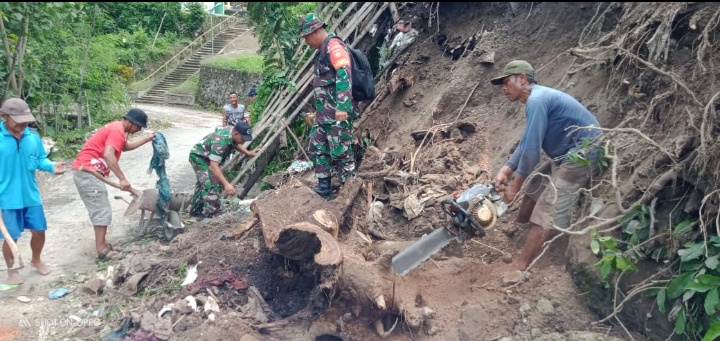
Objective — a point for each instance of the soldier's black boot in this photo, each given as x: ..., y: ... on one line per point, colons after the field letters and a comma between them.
x: 324, y: 188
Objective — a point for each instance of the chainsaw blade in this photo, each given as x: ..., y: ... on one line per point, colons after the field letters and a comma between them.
x: 421, y: 250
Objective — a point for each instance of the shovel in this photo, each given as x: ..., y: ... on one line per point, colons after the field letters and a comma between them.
x: 17, y: 261
x: 133, y: 191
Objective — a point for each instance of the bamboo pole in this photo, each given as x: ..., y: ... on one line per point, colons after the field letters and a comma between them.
x: 285, y: 101
x: 276, y: 117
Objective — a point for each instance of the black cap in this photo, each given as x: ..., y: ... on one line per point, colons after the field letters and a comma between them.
x: 244, y: 130
x: 137, y: 116
x: 252, y: 91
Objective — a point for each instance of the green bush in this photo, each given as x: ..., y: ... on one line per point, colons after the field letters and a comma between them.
x: 247, y: 63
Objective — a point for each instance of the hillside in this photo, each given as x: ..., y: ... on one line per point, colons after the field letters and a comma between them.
x: 647, y: 74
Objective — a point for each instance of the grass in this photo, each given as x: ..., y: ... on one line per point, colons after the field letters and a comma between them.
x: 142, y: 86
x: 188, y: 87
x: 243, y: 62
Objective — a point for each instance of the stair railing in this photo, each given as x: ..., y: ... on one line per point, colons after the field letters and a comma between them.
x: 196, y: 44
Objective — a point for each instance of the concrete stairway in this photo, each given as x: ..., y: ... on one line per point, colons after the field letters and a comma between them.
x: 192, y: 64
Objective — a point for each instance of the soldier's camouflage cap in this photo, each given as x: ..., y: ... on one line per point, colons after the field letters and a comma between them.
x: 310, y: 23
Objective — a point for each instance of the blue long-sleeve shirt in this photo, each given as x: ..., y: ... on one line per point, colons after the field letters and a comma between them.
x: 549, y: 113
x: 19, y: 159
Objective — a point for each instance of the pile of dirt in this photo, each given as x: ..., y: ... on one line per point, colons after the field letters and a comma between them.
x: 438, y: 128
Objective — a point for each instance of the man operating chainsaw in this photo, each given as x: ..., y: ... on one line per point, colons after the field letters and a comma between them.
x: 559, y: 125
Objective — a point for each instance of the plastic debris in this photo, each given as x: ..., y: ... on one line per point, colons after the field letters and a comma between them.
x: 166, y: 308
x: 4, y: 286
x: 298, y: 167
x: 211, y: 305
x: 192, y: 275
x: 57, y: 293
x: 192, y: 303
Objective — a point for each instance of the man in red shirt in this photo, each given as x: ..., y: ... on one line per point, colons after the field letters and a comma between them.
x: 101, y: 154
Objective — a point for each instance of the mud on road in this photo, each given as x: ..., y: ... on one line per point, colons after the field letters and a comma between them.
x: 69, y: 249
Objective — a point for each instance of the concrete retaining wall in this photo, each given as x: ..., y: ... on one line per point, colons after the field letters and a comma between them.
x: 216, y: 84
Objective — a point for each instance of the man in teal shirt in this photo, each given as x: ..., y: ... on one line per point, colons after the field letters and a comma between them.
x: 22, y: 153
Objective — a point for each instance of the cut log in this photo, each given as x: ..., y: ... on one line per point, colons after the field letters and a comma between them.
x: 299, y: 225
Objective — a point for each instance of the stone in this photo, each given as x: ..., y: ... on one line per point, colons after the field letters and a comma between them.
x: 94, y: 286
x: 248, y: 337
x: 535, y: 333
x: 507, y: 258
x: 181, y: 306
x: 545, y: 307
x: 430, y: 329
x: 513, y: 278
x: 524, y: 308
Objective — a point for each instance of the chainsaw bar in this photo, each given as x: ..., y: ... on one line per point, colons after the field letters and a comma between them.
x: 421, y: 250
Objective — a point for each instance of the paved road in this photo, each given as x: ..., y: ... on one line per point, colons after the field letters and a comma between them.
x: 70, y: 241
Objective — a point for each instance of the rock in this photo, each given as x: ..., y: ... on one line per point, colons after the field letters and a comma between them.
x: 544, y: 307
x: 248, y: 337
x: 535, y: 333
x: 181, y: 306
x: 457, y: 135
x: 430, y: 328
x: 524, y: 308
x: 94, y: 286
x: 507, y: 258
x: 513, y: 277
x: 507, y: 338
x: 24, y: 299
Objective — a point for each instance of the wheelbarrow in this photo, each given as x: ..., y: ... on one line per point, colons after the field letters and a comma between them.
x: 147, y: 201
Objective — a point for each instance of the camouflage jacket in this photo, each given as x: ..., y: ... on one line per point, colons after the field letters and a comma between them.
x: 216, y: 146
x: 333, y: 72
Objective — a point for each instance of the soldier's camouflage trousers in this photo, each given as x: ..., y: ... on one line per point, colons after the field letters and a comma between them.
x: 331, y: 147
x: 206, y: 198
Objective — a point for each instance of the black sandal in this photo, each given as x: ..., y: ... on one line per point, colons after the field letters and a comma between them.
x: 103, y: 255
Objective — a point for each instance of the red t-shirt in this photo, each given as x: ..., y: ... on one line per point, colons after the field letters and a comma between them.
x: 91, y: 154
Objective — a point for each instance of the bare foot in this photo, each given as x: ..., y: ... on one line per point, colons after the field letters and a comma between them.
x: 14, y: 277
x: 518, y: 266
x: 41, y: 268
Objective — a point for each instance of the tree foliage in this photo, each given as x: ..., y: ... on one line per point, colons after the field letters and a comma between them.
x: 148, y: 17
x: 72, y: 61
x: 276, y: 27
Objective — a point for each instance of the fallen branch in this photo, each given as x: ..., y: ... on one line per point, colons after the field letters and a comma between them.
x: 372, y: 175
x: 297, y: 140
x: 466, y: 102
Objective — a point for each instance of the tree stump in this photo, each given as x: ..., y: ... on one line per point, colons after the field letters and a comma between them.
x: 300, y: 225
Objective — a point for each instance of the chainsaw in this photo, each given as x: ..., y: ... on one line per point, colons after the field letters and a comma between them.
x: 471, y: 212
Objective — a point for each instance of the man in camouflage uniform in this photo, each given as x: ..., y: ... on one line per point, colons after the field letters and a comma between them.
x: 206, y: 157
x: 331, y: 135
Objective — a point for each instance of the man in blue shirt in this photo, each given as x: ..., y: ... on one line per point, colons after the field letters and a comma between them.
x: 22, y: 153
x: 554, y: 122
